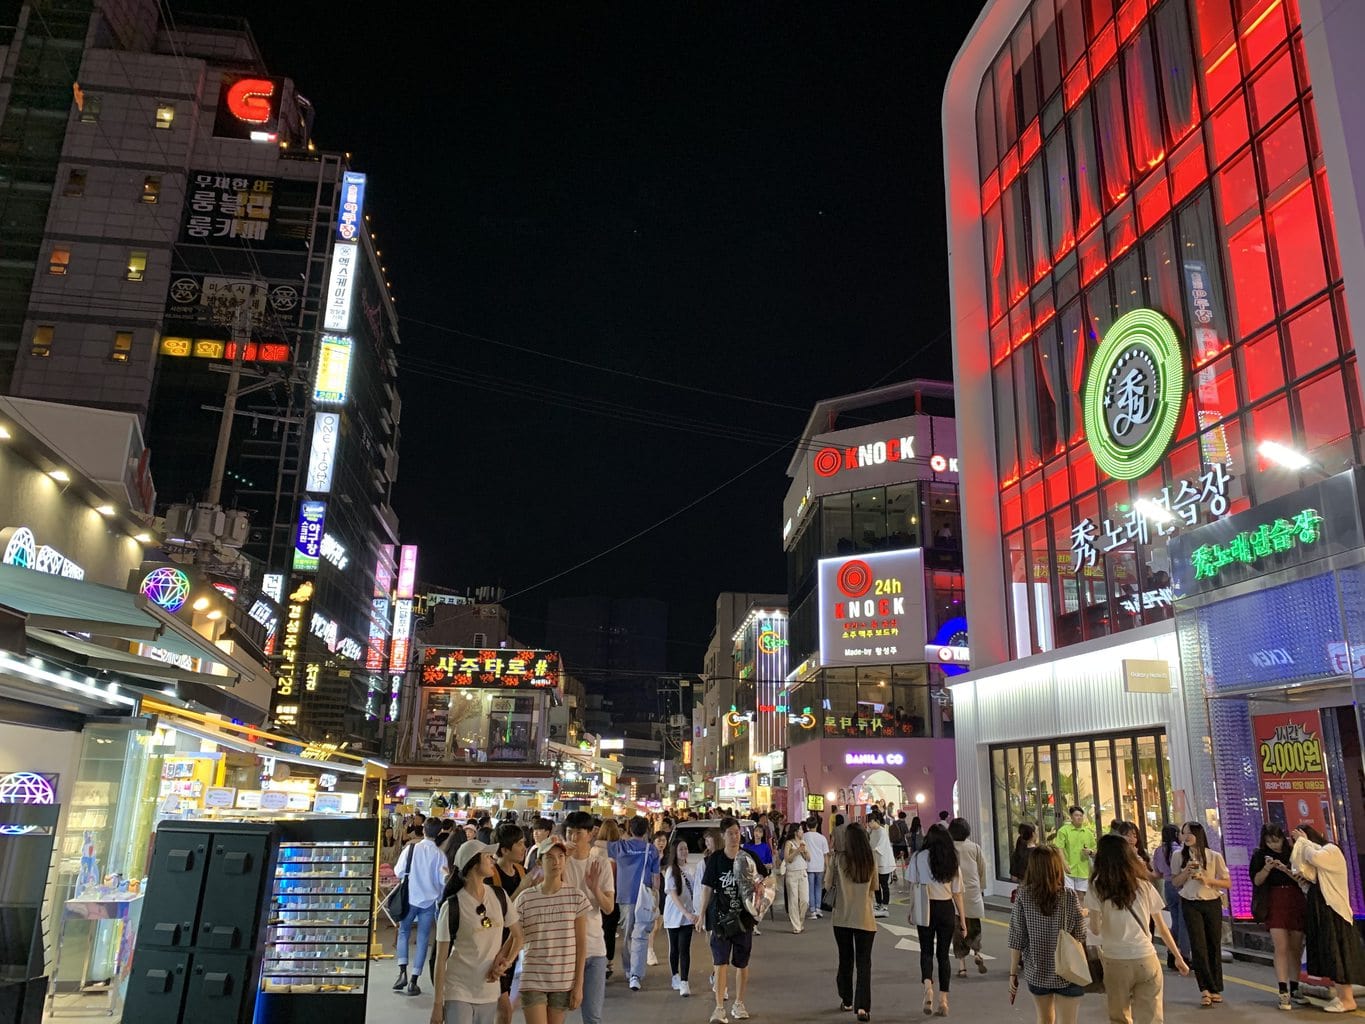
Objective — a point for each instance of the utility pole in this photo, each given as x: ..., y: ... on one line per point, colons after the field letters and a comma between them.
x: 241, y: 335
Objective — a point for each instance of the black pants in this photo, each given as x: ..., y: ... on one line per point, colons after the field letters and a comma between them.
x: 1204, y: 919
x: 884, y: 889
x: 934, y: 943
x: 680, y: 950
x: 610, y: 922
x: 855, y: 954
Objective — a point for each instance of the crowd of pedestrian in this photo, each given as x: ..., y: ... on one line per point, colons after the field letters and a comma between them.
x: 511, y: 921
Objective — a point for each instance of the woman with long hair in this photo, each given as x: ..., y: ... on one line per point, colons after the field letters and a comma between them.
x: 854, y: 925
x: 1129, y: 831
x: 916, y: 837
x: 1164, y: 863
x: 936, y: 868
x: 1285, y: 907
x: 1043, y: 907
x: 1124, y: 908
x: 610, y: 832
x: 795, y: 860
x: 1333, y: 943
x: 1202, y: 879
x: 680, y: 915
x: 880, y: 839
x: 1024, y: 842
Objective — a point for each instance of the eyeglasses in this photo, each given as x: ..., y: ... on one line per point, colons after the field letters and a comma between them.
x: 483, y: 916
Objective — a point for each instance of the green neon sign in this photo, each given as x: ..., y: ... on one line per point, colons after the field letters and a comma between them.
x: 1248, y: 548
x: 1134, y: 394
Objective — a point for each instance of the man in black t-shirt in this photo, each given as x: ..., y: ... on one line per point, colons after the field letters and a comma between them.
x: 731, y: 875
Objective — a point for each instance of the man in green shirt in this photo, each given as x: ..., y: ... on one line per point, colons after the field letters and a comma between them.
x: 1076, y: 840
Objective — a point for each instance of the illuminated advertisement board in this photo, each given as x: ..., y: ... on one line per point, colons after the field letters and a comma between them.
x: 407, y: 570
x: 401, y: 647
x: 308, y: 537
x: 383, y: 572
x: 872, y: 608
x: 322, y: 453
x: 499, y: 669
x: 379, y: 624
x: 286, y: 708
x: 226, y: 209
x: 340, y: 285
x: 352, y: 206
x: 334, y: 369
x: 248, y: 108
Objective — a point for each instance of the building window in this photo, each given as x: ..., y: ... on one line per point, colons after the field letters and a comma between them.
x: 42, y: 341
x: 481, y: 640
x: 151, y: 188
x: 58, y: 262
x: 90, y: 110
x: 137, y: 265
x: 123, y: 344
x: 75, y: 183
x: 165, y: 115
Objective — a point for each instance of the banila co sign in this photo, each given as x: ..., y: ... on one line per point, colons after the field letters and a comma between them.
x: 862, y: 758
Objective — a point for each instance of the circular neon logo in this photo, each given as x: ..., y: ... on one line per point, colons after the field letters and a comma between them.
x: 24, y: 788
x: 166, y: 587
x: 855, y: 578
x: 953, y: 633
x: 828, y: 461
x: 1134, y: 394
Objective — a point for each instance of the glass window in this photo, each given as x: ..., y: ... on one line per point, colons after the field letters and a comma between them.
x: 1016, y: 578
x: 1296, y: 247
x: 1216, y: 48
x: 75, y: 183
x: 1144, y: 114
x: 1312, y: 338
x: 42, y: 341
x: 869, y: 519
x: 1070, y: 17
x: 1087, y: 169
x: 836, y: 514
x: 90, y: 109
x: 1115, y: 158
x: 123, y: 345
x: 1053, y: 391
x: 1203, y: 276
x: 1025, y: 73
x: 1016, y: 242
x: 1006, y: 454
x: 59, y: 262
x: 1326, y: 419
x: 1160, y: 256
x: 1270, y: 422
x: 165, y: 115
x: 1006, y: 123
x: 151, y: 188
x: 995, y: 261
x: 137, y: 265
x: 1249, y: 278
x: 1106, y: 803
x: 1026, y: 388
x: 1072, y: 354
x: 1177, y: 67
x: 943, y: 516
x: 1041, y: 585
x: 1005, y: 826
x: 1040, y: 252
x: 1047, y: 51
x: 987, y: 153
x: 1061, y: 221
x: 902, y: 516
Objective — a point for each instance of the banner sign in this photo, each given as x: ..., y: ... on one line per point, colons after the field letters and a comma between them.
x: 1292, y: 767
x: 872, y: 608
x: 494, y: 669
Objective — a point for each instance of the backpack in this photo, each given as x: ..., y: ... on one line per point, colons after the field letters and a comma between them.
x: 900, y: 833
x: 454, y: 916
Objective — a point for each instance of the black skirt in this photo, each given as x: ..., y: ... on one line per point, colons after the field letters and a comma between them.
x: 1334, y: 949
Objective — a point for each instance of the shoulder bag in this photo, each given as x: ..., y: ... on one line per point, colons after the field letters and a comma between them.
x: 919, y: 895
x: 646, y: 896
x: 1072, y: 957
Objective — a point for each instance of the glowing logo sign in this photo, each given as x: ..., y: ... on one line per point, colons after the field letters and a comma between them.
x: 951, y: 644
x: 407, y: 570
x: 23, y: 551
x: 769, y: 642
x: 340, y: 285
x: 249, y: 100
x: 891, y: 759
x: 24, y: 788
x: 1268, y: 539
x: 248, y: 108
x: 352, y: 206
x: 334, y: 369
x: 1134, y: 394
x: 272, y: 585
x: 166, y: 587
x: 322, y: 454
x: 308, y: 540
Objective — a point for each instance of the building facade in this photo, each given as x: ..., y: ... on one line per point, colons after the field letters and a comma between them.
x: 168, y: 219
x: 878, y: 616
x: 1156, y: 259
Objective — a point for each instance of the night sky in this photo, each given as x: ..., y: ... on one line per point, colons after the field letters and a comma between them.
x: 745, y: 199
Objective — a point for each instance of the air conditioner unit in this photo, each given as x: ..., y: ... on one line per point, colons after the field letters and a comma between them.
x: 238, y: 529
x: 207, y: 524
x: 177, y: 524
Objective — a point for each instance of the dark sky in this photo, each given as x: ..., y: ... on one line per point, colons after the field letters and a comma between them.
x: 742, y: 198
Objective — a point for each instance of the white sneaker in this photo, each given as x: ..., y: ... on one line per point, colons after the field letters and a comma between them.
x: 738, y: 1012
x: 718, y: 1016
x: 756, y: 931
x: 1336, y: 1006
x: 651, y: 960
x: 880, y: 912
x: 634, y: 983
x: 713, y: 981
x: 676, y: 982
x: 684, y: 989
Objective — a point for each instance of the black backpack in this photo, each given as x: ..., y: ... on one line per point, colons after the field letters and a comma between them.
x: 454, y: 915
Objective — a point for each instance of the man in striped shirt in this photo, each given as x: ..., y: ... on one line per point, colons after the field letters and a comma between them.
x: 554, y: 918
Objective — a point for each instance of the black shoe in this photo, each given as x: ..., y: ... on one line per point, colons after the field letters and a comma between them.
x: 402, y: 981
x: 413, y: 990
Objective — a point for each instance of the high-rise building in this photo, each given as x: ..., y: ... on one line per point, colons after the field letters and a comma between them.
x: 170, y: 229
x: 1157, y: 268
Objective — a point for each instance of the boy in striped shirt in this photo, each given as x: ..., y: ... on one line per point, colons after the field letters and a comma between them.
x: 554, y: 925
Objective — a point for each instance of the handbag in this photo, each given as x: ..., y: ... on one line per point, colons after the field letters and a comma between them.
x: 1073, y: 964
x: 396, y: 902
x: 829, y: 896
x: 646, y: 898
x: 919, y: 897
x: 1260, y: 903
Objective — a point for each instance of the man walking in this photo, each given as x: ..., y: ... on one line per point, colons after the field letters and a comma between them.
x: 636, y: 860
x: 731, y: 875
x: 425, y: 868
x: 589, y: 871
x: 1076, y: 840
x: 817, y: 849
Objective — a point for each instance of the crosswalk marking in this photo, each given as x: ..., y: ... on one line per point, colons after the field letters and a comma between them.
x: 904, y: 939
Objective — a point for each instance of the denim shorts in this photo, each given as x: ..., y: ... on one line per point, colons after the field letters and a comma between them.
x: 1071, y: 991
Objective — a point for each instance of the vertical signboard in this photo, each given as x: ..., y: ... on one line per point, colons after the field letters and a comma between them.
x: 334, y: 370
x: 352, y: 206
x: 322, y: 454
x: 286, y: 706
x: 379, y: 622
x: 401, y: 648
x: 1292, y: 767
x: 340, y: 286
x: 383, y: 572
x: 308, y: 538
x: 407, y: 570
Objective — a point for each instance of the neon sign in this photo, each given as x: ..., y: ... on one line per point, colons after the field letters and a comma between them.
x: 891, y: 759
x: 248, y: 99
x: 286, y: 678
x: 949, y: 647
x: 501, y: 669
x: 23, y: 551
x: 334, y: 369
x: 340, y: 285
x: 308, y: 539
x: 24, y: 788
x: 249, y: 108
x: 322, y: 452
x: 352, y: 205
x: 166, y: 587
x: 1134, y: 394
x: 831, y: 461
x: 1248, y: 548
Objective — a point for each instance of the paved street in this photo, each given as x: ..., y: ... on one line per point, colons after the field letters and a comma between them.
x: 793, y: 983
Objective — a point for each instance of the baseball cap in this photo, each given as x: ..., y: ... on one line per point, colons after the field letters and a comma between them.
x: 470, y: 849
x: 543, y: 847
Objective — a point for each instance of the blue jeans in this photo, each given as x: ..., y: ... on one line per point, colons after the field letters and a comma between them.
x: 594, y: 988
x: 628, y: 964
x: 638, y: 941
x: 1179, y: 929
x: 425, y: 918
x: 817, y: 882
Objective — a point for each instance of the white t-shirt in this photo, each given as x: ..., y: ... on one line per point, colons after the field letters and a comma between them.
x: 698, y: 873
x: 1125, y: 932
x: 673, y: 915
x: 475, y: 946
x: 576, y: 874
x: 818, y: 848
x: 921, y: 874
x: 1214, y: 867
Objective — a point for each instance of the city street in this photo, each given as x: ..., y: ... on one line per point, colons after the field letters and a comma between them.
x: 793, y: 983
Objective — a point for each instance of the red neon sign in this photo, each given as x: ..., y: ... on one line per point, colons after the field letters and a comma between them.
x: 248, y: 99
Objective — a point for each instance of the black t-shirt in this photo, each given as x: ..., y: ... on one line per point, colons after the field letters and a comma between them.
x: 1258, y: 860
x: 720, y: 877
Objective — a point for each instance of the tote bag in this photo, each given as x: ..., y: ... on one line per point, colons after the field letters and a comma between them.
x: 919, y: 894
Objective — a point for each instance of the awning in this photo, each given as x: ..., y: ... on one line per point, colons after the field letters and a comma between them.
x: 94, y: 656
x: 55, y: 602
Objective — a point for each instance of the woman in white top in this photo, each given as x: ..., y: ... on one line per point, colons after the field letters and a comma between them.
x: 885, y: 857
x: 1333, y: 944
x: 1123, y: 908
x: 469, y: 965
x: 972, y: 863
x: 936, y: 869
x: 680, y: 914
x: 795, y: 859
x: 1202, y: 877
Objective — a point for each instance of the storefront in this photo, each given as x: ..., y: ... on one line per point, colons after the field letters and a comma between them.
x: 456, y: 791
x: 914, y: 776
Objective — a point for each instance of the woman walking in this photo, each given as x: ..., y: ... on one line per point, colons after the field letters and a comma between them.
x: 880, y: 839
x: 660, y: 842
x: 1277, y: 890
x: 972, y: 863
x: 936, y: 868
x: 795, y: 859
x: 679, y: 916
x: 470, y: 950
x: 610, y: 832
x: 1026, y: 840
x: 1044, y: 907
x: 854, y: 924
x: 1165, y: 863
x: 1333, y: 943
x: 1202, y: 878
x: 916, y: 836
x: 1124, y: 908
